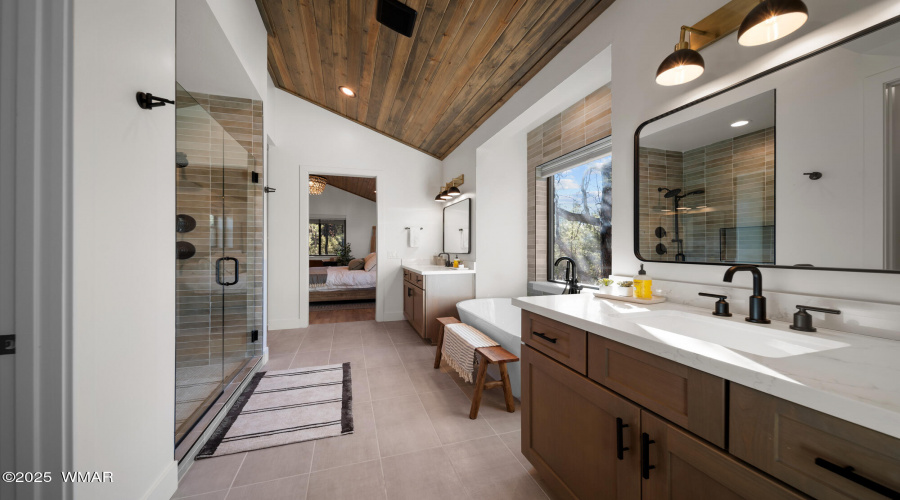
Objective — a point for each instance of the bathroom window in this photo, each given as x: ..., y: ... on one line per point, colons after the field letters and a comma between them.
x: 326, y: 236
x: 580, y: 219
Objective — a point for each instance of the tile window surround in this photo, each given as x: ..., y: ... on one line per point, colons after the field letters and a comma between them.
x: 586, y: 121
x: 732, y: 172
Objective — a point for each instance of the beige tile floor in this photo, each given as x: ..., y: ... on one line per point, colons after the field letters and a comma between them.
x: 412, y: 437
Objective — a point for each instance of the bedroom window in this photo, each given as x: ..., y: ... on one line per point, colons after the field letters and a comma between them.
x: 326, y: 236
x: 580, y: 212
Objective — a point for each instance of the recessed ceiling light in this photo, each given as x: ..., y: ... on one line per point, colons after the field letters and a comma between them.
x: 740, y: 123
x: 347, y: 91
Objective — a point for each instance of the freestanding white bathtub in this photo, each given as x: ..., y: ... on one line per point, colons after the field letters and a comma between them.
x: 501, y: 321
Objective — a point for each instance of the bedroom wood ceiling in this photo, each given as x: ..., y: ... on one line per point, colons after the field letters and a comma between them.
x: 360, y: 186
x: 464, y: 60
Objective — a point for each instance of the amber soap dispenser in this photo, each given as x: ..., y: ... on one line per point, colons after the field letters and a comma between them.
x: 643, y: 285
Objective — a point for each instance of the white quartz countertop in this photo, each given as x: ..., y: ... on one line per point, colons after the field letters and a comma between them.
x: 426, y: 269
x: 856, y: 379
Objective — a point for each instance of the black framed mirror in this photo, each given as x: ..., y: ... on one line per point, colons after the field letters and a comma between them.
x: 457, y: 224
x: 717, y: 182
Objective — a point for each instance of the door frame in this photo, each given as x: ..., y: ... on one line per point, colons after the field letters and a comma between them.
x: 380, y: 286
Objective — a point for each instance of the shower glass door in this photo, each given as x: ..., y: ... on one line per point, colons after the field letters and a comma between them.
x: 218, y: 281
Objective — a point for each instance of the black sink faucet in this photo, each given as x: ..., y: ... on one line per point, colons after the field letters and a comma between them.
x: 447, y: 260
x: 757, y: 301
x: 572, y: 286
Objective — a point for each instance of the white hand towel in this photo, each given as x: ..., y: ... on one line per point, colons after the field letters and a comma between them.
x: 414, y: 237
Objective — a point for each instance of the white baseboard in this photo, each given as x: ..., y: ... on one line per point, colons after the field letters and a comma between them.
x: 393, y: 316
x: 285, y: 324
x: 165, y: 485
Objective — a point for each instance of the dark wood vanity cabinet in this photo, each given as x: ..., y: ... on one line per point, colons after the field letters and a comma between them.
x: 811, y: 450
x: 573, y: 429
x: 678, y: 465
x: 637, y: 426
x: 431, y: 296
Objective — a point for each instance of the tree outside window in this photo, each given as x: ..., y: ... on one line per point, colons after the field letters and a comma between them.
x: 581, y: 220
x: 326, y: 236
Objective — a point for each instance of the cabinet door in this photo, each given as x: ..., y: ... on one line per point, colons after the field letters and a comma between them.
x: 573, y: 431
x: 678, y: 465
x: 418, y: 305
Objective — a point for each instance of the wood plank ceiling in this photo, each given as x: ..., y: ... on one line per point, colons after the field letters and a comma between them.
x: 360, y: 186
x: 430, y: 91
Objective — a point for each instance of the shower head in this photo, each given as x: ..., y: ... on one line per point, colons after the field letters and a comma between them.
x: 671, y: 193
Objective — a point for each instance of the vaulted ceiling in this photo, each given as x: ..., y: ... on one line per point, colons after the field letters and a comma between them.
x: 430, y: 91
x: 360, y: 186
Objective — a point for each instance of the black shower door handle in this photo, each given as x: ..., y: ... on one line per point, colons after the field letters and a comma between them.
x: 237, y: 273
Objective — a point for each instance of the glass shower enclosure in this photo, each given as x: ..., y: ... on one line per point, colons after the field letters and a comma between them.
x: 218, y: 263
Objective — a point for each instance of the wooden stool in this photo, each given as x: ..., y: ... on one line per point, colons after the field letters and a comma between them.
x: 494, y: 354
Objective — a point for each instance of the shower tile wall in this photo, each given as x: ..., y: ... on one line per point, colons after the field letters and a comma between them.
x: 738, y: 176
x: 235, y: 230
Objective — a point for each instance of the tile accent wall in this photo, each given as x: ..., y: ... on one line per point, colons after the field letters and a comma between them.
x: 733, y: 173
x: 200, y: 188
x: 586, y: 121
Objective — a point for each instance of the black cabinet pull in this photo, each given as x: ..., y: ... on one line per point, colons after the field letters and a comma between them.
x: 620, y: 448
x: 409, y: 291
x: 847, y: 473
x: 548, y: 339
x: 645, y: 455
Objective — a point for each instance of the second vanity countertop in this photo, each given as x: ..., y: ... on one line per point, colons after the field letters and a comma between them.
x: 427, y: 269
x: 857, y: 378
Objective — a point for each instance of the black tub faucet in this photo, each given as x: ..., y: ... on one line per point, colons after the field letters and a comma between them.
x: 757, y: 301
x: 572, y: 286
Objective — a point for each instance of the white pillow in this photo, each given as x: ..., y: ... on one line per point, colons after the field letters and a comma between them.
x: 370, y: 262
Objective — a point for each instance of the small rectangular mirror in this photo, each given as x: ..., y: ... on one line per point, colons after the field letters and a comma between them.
x: 457, y: 219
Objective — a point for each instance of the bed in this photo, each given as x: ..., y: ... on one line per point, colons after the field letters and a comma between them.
x: 339, y: 283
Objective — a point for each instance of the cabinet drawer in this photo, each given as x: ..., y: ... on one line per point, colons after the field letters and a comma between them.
x: 564, y: 343
x: 690, y: 398
x: 786, y: 439
x: 416, y: 279
x: 405, y: 275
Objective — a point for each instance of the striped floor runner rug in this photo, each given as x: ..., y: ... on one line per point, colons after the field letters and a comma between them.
x: 283, y: 407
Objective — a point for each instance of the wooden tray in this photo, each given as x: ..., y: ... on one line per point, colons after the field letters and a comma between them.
x: 654, y: 300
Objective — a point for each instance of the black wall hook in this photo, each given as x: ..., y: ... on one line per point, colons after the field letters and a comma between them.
x: 813, y: 176
x: 150, y: 101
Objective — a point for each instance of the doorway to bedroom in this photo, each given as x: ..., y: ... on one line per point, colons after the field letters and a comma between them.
x: 342, y: 245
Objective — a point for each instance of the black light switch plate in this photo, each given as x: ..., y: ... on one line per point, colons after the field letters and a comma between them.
x: 7, y: 344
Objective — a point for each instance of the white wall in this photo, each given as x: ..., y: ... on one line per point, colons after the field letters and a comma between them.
x: 359, y: 212
x: 123, y: 204
x: 637, y: 50
x: 242, y: 24
x: 308, y: 139
x: 502, y: 266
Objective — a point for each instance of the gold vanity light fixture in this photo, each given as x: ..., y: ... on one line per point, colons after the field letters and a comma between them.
x: 683, y: 65
x: 451, y: 189
x: 756, y: 21
x: 317, y: 184
x: 771, y: 20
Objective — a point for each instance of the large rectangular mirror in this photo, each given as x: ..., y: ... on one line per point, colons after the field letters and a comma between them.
x: 457, y: 237
x: 795, y: 167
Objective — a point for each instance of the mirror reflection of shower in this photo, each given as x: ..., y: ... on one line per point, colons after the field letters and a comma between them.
x: 676, y: 197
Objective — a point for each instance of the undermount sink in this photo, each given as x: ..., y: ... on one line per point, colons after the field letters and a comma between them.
x: 679, y: 327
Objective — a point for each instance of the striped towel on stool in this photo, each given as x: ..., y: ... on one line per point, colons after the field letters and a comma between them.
x: 460, y: 342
